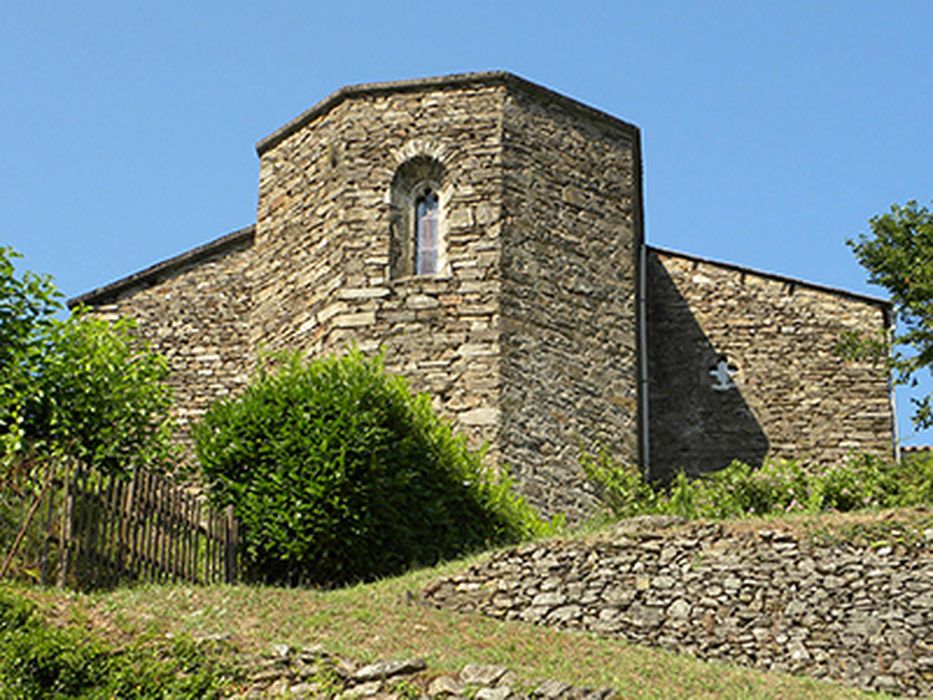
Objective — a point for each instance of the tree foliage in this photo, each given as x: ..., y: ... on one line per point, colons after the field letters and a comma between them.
x: 102, y: 395
x: 27, y: 307
x: 77, y: 386
x: 337, y: 473
x: 898, y: 255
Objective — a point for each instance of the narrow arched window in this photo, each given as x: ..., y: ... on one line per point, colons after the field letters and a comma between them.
x: 417, y: 221
x: 427, y: 239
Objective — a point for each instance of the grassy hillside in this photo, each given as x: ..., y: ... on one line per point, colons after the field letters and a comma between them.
x: 380, y: 620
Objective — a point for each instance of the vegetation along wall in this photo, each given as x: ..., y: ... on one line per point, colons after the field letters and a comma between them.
x: 194, y: 309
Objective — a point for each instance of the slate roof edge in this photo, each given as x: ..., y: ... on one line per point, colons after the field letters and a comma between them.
x: 108, y: 292
x: 487, y: 77
x: 857, y: 296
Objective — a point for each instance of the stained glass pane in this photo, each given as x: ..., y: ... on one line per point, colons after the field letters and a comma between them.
x: 426, y: 234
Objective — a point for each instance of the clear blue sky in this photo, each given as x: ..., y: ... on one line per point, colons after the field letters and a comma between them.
x: 772, y: 130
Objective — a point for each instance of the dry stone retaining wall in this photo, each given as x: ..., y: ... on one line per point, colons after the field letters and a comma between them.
x: 761, y: 597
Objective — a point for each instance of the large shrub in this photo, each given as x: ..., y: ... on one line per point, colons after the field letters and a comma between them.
x: 338, y: 473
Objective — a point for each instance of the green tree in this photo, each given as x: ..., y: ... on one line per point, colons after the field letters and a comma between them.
x: 898, y: 255
x: 28, y: 304
x: 101, y: 395
x: 77, y: 386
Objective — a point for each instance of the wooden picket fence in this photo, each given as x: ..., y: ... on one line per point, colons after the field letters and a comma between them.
x: 144, y: 528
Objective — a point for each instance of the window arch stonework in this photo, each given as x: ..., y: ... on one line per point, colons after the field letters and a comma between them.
x: 417, y: 222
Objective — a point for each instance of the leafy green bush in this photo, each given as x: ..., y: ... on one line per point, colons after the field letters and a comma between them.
x: 101, y: 395
x: 79, y: 386
x: 779, y: 486
x: 40, y: 661
x: 337, y: 474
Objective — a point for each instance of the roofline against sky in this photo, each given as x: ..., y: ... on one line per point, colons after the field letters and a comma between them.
x: 459, y: 79
x: 149, y: 275
x: 857, y: 296
x: 246, y: 234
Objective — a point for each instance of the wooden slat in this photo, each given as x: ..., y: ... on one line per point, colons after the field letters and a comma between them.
x: 64, y: 532
x: 108, y: 536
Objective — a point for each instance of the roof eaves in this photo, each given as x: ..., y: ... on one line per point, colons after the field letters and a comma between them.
x: 149, y: 275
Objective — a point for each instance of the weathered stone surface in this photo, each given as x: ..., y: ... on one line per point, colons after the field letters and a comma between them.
x: 765, y: 599
x: 366, y: 689
x: 551, y: 689
x: 478, y: 674
x: 443, y: 686
x: 196, y: 314
x: 568, y: 307
x: 791, y: 394
x: 313, y: 673
x: 388, y: 669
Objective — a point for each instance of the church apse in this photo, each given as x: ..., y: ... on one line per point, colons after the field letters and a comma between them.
x: 484, y: 232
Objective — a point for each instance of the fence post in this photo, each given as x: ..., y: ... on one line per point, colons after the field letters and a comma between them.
x: 64, y: 528
x: 47, y: 530
x: 230, y: 546
x: 37, y: 501
x: 145, y: 529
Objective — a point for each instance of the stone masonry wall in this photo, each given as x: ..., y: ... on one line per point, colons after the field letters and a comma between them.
x: 322, y: 277
x: 791, y: 395
x: 759, y: 596
x: 194, y: 310
x: 569, y: 247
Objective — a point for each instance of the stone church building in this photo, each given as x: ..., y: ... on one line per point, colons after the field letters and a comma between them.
x: 487, y: 233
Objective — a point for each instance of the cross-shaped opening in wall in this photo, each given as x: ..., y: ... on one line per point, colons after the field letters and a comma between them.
x: 722, y: 373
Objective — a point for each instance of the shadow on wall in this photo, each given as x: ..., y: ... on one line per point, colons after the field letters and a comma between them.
x: 698, y: 419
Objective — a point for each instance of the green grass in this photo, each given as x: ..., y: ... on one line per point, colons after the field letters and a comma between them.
x: 379, y: 621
